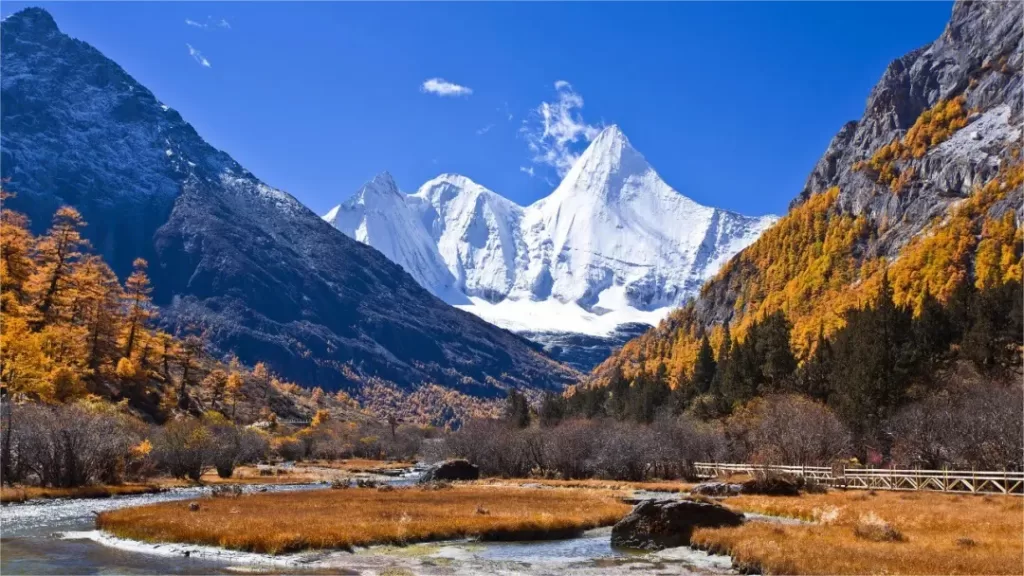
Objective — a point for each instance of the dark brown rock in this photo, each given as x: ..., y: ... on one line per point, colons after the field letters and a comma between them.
x: 451, y: 470
x: 658, y: 524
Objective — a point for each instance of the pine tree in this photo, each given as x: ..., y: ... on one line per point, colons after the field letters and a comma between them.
x: 55, y: 253
x: 816, y: 372
x: 774, y: 353
x: 722, y: 367
x: 517, y: 409
x: 15, y: 262
x: 261, y: 374
x: 617, y: 394
x: 95, y: 297
x: 552, y: 409
x: 137, y: 302
x: 703, y: 367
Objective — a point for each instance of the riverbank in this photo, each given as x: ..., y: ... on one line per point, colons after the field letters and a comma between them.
x: 857, y: 532
x: 301, y: 473
x: 280, y: 523
x: 9, y: 494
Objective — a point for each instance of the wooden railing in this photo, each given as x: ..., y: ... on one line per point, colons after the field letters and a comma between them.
x: 839, y: 476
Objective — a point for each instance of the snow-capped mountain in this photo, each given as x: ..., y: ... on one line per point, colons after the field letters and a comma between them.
x: 261, y: 275
x: 612, y: 244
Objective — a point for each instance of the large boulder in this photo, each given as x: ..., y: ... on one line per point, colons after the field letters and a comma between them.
x: 716, y: 489
x: 451, y: 470
x: 658, y: 524
x: 773, y: 485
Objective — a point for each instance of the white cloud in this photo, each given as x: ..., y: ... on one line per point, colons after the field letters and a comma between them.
x: 442, y: 87
x: 555, y: 130
x: 484, y: 130
x: 527, y: 170
x: 209, y: 23
x: 198, y: 56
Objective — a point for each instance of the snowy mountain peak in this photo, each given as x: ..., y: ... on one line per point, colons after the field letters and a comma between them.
x: 612, y: 244
x: 382, y: 183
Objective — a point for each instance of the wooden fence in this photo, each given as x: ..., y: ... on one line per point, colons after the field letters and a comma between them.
x: 840, y: 476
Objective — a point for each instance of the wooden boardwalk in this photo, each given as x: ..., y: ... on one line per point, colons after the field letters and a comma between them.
x: 960, y: 481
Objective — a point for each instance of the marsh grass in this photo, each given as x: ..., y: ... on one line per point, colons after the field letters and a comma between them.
x: 933, y: 533
x: 21, y: 494
x: 592, y: 484
x: 288, y: 522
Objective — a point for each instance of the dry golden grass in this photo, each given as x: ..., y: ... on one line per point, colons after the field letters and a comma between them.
x: 286, y: 522
x: 355, y: 465
x: 251, y: 475
x: 592, y: 483
x: 23, y: 493
x: 934, y: 534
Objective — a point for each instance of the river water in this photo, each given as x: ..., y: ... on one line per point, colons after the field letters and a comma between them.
x: 59, y: 537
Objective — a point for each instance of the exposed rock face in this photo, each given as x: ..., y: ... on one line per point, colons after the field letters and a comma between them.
x: 451, y: 470
x: 263, y: 276
x: 659, y: 524
x: 979, y: 55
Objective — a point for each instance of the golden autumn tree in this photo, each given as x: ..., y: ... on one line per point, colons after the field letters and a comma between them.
x: 95, y: 304
x: 54, y: 255
x: 137, y: 302
x: 15, y: 262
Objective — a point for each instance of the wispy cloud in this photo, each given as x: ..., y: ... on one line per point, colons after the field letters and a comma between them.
x: 209, y: 23
x: 527, y: 170
x: 198, y: 56
x: 442, y: 87
x: 555, y: 130
x: 484, y: 130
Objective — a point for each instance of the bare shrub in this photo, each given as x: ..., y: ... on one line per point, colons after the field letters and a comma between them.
x: 789, y: 429
x: 184, y: 448
x: 977, y: 427
x: 71, y: 445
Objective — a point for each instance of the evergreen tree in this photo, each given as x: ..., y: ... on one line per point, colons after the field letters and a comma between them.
x: 722, y: 360
x: 816, y: 372
x: 517, y: 409
x: 704, y: 367
x: 618, y: 394
x: 774, y: 353
x: 552, y: 409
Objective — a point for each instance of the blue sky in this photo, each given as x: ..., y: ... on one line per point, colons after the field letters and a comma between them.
x: 732, y: 103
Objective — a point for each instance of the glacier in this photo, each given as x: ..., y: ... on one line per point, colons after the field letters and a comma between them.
x: 612, y: 245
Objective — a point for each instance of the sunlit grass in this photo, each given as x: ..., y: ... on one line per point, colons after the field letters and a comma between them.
x: 286, y: 522
x: 938, y: 534
x: 593, y: 483
x: 23, y: 493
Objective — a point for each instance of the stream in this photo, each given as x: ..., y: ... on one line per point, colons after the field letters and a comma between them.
x: 59, y: 537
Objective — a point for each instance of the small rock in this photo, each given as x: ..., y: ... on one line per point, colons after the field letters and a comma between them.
x: 193, y: 506
x: 188, y: 553
x: 975, y: 135
x: 659, y: 524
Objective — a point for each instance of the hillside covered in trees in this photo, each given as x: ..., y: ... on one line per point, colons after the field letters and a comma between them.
x: 71, y: 330
x: 896, y: 275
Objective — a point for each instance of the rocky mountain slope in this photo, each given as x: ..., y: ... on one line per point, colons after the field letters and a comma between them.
x: 613, y: 244
x: 260, y: 274
x: 927, y: 184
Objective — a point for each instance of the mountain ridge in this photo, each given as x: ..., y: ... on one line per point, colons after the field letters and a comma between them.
x: 611, y: 238
x: 261, y: 275
x: 925, y: 188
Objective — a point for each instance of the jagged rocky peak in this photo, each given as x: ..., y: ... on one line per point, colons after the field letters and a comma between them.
x: 30, y: 23
x: 612, y: 244
x: 382, y: 183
